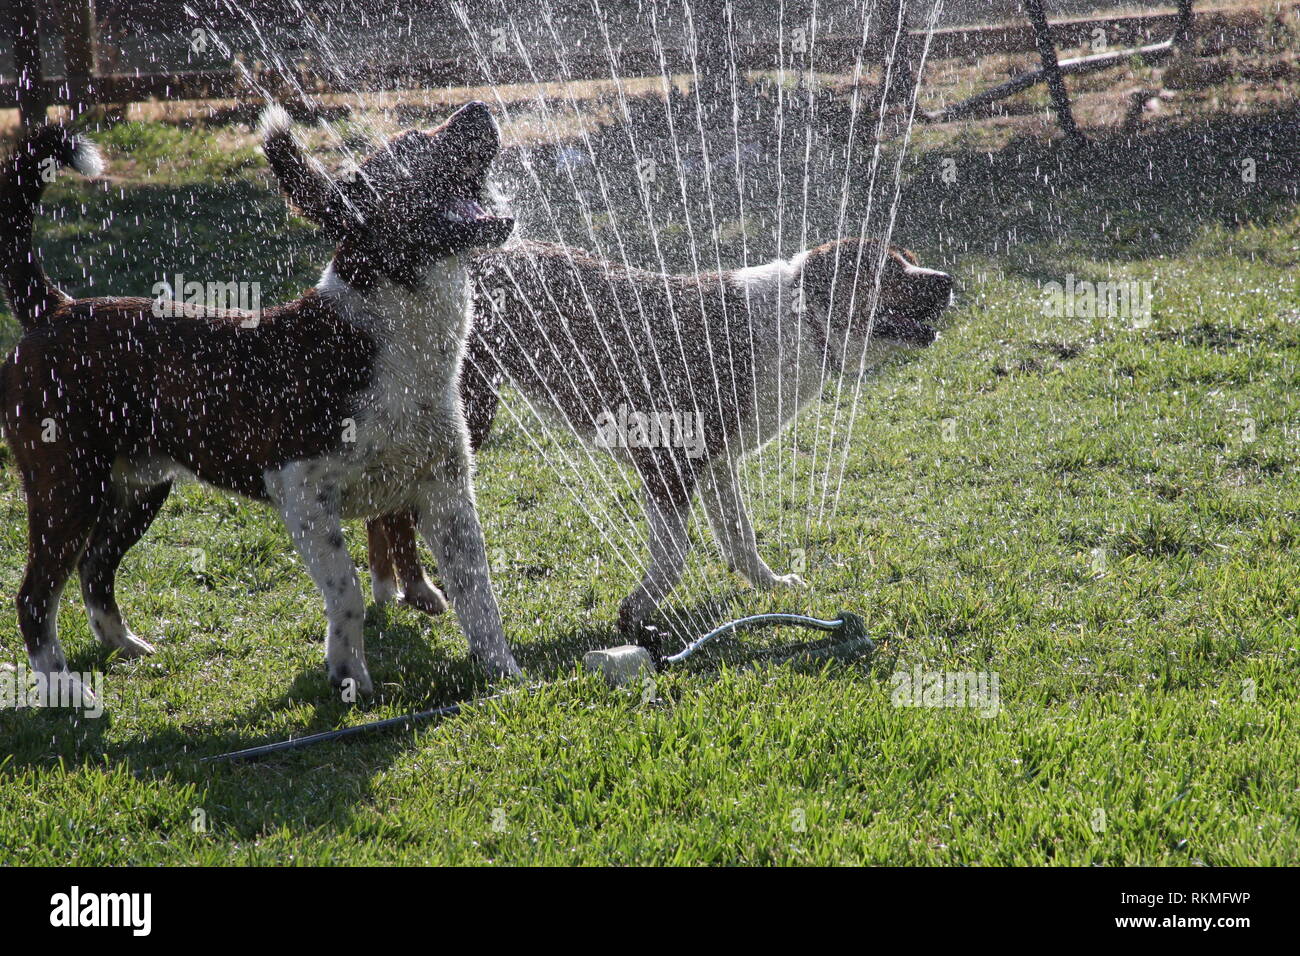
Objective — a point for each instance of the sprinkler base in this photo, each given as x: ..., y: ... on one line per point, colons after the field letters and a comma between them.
x: 620, y: 665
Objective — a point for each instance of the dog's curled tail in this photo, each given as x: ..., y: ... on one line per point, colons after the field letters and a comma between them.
x: 23, y: 178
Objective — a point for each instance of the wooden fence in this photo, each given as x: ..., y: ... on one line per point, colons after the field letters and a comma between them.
x: 74, y: 20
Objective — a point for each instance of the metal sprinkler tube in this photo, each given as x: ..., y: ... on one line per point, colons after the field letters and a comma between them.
x: 618, y: 665
x: 853, y: 632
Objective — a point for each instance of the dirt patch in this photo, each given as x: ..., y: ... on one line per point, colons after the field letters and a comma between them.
x: 1217, y: 337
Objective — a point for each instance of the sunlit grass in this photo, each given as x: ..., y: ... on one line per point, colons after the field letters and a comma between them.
x: 1108, y: 524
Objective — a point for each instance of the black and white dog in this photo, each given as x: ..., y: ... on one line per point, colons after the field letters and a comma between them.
x: 342, y: 403
x: 678, y: 375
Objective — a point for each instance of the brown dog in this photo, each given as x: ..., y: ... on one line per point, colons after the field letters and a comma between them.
x: 342, y: 403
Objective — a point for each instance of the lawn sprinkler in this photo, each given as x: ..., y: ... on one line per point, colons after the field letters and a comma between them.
x: 629, y: 662
x: 619, y: 666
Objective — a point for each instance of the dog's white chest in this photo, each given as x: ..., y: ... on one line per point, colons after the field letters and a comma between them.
x: 408, y: 420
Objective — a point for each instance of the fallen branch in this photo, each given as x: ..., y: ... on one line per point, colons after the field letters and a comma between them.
x: 1077, y: 65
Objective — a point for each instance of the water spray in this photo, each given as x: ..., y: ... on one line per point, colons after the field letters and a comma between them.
x: 619, y: 666
x: 600, y: 499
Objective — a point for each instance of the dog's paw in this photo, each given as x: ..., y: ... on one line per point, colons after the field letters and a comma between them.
x: 632, y: 614
x: 49, y: 659
x: 62, y: 689
x: 112, y: 632
x: 788, y: 581
x: 771, y: 581
x: 352, y: 678
x: 423, y: 596
x: 132, y: 646
x: 500, y: 668
x: 383, y: 590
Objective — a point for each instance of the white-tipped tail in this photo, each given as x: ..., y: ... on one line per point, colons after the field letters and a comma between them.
x: 86, y: 158
x: 274, y: 122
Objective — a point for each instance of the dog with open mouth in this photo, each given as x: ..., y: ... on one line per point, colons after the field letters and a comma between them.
x: 342, y: 403
x: 627, y: 359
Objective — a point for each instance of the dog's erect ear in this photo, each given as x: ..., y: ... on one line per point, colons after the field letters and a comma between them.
x: 303, y: 179
x: 470, y: 138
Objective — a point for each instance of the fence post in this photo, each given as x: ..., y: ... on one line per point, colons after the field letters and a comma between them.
x: 77, y: 22
x: 1052, y: 71
x: 1183, y: 31
x: 712, y: 24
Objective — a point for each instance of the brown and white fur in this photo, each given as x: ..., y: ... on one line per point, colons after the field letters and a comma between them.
x: 342, y: 403
x: 746, y: 350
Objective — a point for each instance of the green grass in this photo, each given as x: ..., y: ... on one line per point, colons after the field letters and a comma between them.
x: 1093, y: 526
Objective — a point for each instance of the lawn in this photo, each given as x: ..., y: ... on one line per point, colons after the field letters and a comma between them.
x: 1102, y: 512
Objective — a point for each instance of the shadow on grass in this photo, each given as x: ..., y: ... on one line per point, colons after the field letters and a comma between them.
x: 106, y: 239
x: 322, y: 785
x: 318, y: 786
x: 287, y: 788
x: 1129, y: 196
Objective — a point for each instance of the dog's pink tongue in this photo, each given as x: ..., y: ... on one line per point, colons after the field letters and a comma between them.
x: 466, y: 210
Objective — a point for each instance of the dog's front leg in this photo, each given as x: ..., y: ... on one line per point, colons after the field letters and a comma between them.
x: 448, y: 521
x: 731, y: 526
x: 311, y: 510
